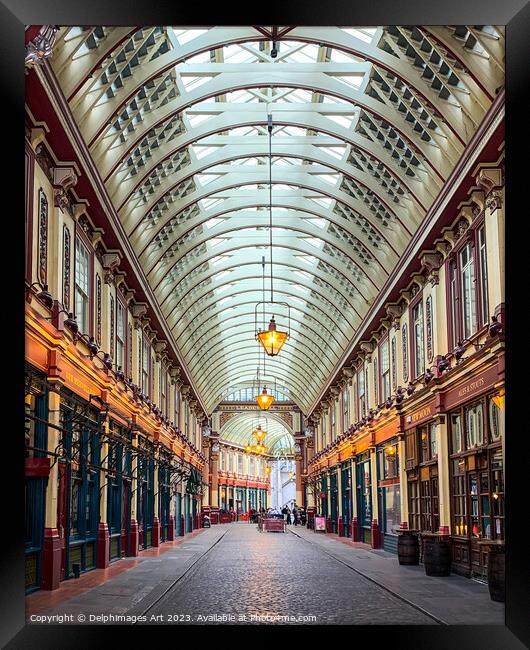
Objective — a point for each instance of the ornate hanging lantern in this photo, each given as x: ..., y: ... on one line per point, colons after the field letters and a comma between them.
x: 264, y: 400
x: 272, y: 339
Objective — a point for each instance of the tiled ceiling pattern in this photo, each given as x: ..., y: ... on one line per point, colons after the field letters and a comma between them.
x: 367, y: 125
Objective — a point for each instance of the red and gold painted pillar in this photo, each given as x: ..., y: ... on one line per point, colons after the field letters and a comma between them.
x: 54, y: 535
x: 103, y: 539
x: 299, y: 467
x: 132, y: 542
x: 214, y: 470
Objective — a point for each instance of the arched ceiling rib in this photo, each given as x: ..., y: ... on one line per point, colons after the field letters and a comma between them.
x: 368, y: 123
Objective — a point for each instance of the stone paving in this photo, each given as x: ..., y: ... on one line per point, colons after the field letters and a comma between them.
x: 274, y: 575
x: 453, y: 600
x: 234, y: 574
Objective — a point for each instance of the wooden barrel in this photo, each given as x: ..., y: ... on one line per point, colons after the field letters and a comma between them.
x: 496, y: 575
x: 437, y: 557
x: 408, y: 549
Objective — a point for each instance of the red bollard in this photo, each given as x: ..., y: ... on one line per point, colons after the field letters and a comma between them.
x: 355, y: 530
x: 341, y: 528
x: 375, y: 534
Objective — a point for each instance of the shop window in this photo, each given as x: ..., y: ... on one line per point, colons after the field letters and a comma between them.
x: 467, y: 287
x: 430, y: 520
x: 474, y: 426
x: 345, y: 409
x: 418, y: 342
x: 495, y: 423
x: 456, y: 433
x: 484, y: 305
x: 177, y: 407
x: 361, y: 394
x: 459, y: 498
x: 385, y: 370
x: 392, y: 509
x: 414, y: 505
x: 388, y: 467
x: 428, y: 444
x: 145, y: 365
x: 453, y: 304
x: 82, y: 286
x: 376, y: 384
x: 467, y: 279
x: 120, y: 335
x: 497, y: 487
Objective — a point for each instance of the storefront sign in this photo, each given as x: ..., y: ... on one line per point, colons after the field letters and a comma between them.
x: 320, y: 524
x: 387, y: 431
x: 472, y: 387
x: 421, y: 415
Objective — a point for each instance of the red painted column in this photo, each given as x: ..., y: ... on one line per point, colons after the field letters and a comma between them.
x: 171, y: 529
x: 375, y: 534
x: 51, y: 559
x: 103, y: 546
x: 341, y: 528
x: 132, y: 550
x: 156, y: 532
x: 355, y: 529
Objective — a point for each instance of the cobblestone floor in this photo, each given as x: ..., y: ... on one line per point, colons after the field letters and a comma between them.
x: 251, y: 574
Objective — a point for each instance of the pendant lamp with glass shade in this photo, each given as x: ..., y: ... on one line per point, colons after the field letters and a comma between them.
x: 272, y: 339
x: 263, y: 399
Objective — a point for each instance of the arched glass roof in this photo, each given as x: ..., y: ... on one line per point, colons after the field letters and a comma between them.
x: 279, y: 437
x: 368, y: 124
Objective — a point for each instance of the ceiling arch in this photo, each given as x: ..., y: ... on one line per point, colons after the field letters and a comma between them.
x: 368, y: 124
x: 238, y: 430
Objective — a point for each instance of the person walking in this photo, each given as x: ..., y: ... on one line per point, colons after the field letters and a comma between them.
x: 295, y: 515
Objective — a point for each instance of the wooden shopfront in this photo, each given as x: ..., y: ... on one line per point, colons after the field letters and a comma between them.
x: 79, y: 483
x: 37, y: 467
x: 476, y: 472
x: 389, y: 493
x: 119, y: 494
x: 364, y: 497
x: 421, y: 463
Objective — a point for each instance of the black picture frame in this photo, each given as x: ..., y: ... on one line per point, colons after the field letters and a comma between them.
x: 515, y: 14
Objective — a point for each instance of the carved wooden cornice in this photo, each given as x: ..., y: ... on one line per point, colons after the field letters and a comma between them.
x: 41, y: 47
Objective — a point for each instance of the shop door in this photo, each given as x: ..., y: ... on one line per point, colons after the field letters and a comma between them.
x: 364, y: 501
x: 346, y: 499
x: 480, y: 520
x: 333, y: 483
x: 178, y: 513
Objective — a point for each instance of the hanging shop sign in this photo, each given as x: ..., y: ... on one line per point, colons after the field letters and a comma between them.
x: 472, y: 387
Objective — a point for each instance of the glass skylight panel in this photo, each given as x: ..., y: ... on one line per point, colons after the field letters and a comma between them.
x: 317, y: 243
x: 213, y: 222
x: 204, y: 179
x: 365, y: 34
x: 216, y: 241
x: 236, y: 54
x: 336, y: 152
x: 316, y: 221
x: 190, y: 82
x: 209, y: 203
x: 195, y: 119
x: 186, y: 35
x: 343, y: 120
x: 329, y: 178
x: 201, y: 150
x: 350, y: 80
x: 322, y: 200
x: 202, y: 57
